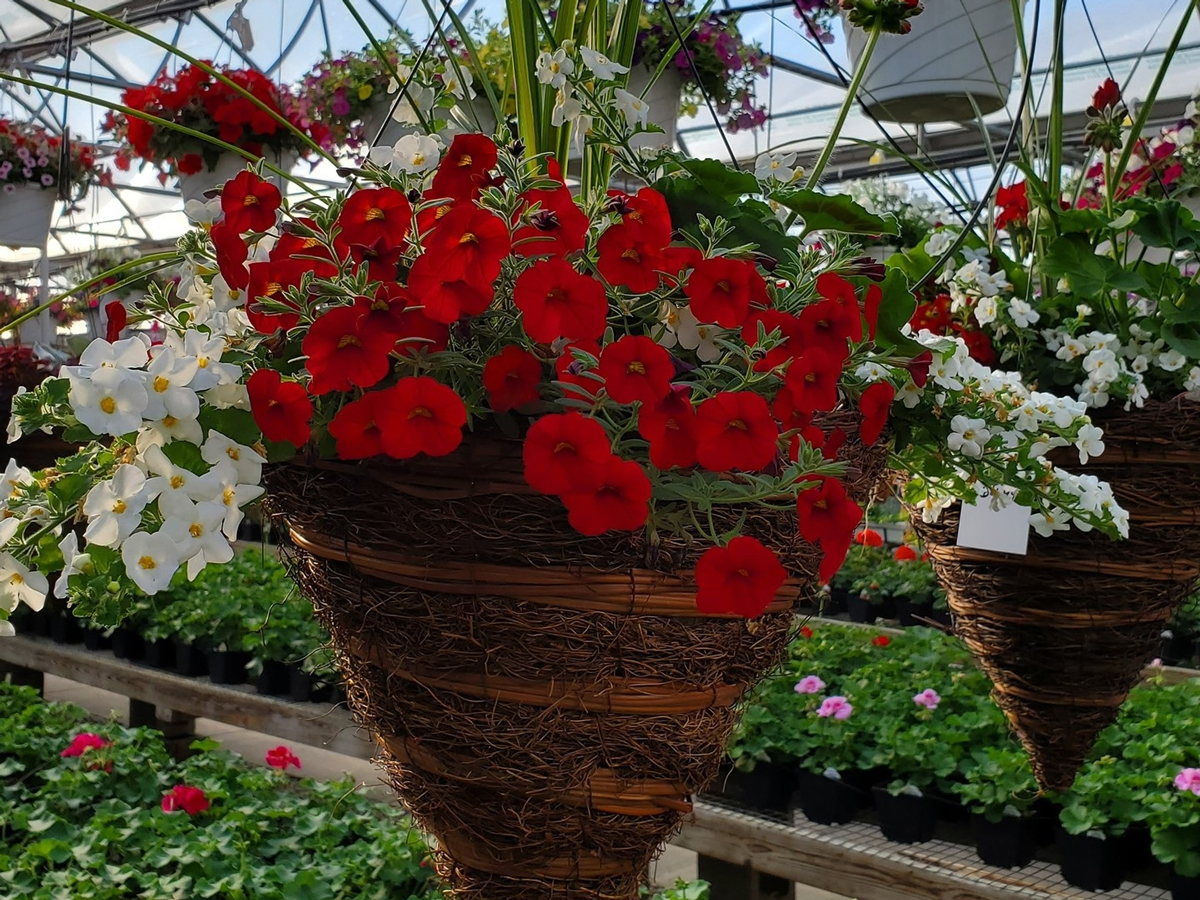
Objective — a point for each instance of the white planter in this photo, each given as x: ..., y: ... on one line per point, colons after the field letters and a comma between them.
x: 881, y: 253
x: 663, y: 97
x: 25, y: 216
x: 194, y: 187
x: 957, y: 51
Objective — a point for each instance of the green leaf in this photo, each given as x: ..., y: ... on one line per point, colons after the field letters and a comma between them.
x: 204, y: 745
x: 717, y: 178
x: 1167, y: 224
x: 895, y: 310
x: 78, y: 434
x: 186, y: 455
x: 1073, y: 257
x: 688, y: 200
x: 836, y: 212
x: 237, y: 424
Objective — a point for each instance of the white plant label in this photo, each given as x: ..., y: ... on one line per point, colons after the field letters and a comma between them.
x: 1004, y: 530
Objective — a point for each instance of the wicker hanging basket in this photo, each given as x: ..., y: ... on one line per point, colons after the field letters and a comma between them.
x: 1065, y: 632
x: 545, y: 703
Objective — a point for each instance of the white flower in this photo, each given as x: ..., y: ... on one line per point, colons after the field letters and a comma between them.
x: 775, y: 166
x: 416, y: 153
x: 176, y: 487
x: 910, y: 395
x: 109, y: 402
x: 1093, y: 393
x: 601, y: 66
x: 224, y: 297
x: 1193, y: 380
x: 207, y: 352
x: 968, y: 436
x: 114, y: 508
x: 14, y: 424
x: 939, y: 242
x: 1049, y: 521
x: 151, y: 560
x: 417, y: 98
x: 986, y: 310
x: 1082, y: 311
x: 698, y: 336
x: 156, y: 432
x: 632, y: 107
x: 1140, y: 364
x: 1171, y: 361
x: 228, y: 396
x: 1023, y: 315
x: 566, y: 108
x: 6, y: 629
x: 233, y: 496
x: 167, y: 390
x: 131, y: 353
x: 74, y: 563
x: 871, y: 371
x: 1063, y: 286
x: 944, y: 373
x: 553, y: 68
x: 1101, y: 366
x: 246, y: 461
x: 15, y: 477
x: 458, y: 81
x: 1090, y: 443
x: 203, y: 212
x: 196, y: 530
x: 1072, y: 348
x: 19, y: 584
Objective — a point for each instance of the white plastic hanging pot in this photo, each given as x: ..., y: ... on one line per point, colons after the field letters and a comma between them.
x: 26, y: 214
x: 959, y: 57
x: 194, y: 187
x: 663, y: 97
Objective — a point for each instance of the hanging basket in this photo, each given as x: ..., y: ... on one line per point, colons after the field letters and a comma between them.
x: 25, y: 216
x: 958, y: 58
x: 194, y: 187
x: 546, y: 703
x: 1065, y: 632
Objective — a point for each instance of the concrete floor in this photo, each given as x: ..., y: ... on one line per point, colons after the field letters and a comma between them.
x: 674, y: 863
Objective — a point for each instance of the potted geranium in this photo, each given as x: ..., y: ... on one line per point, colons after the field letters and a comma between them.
x: 999, y: 788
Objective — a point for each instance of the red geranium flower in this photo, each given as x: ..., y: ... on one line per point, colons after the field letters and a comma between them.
x: 469, y: 243
x: 880, y: 640
x: 828, y: 517
x: 357, y: 428
x: 636, y: 368
x: 373, y: 215
x: 875, y: 404
x: 556, y: 301
x: 190, y: 799
x: 735, y: 430
x: 81, y: 743
x: 557, y: 228
x: 741, y: 579
x: 626, y: 259
x: 566, y: 452
x: 619, y: 503
x: 463, y: 171
x: 232, y: 254
x: 249, y: 203
x: 281, y: 408
x: 446, y: 298
x: 904, y: 553
x: 269, y: 280
x: 812, y: 379
x: 421, y: 416
x: 869, y: 537
x: 806, y: 632
x: 281, y: 757
x: 511, y: 378
x: 343, y: 354
x: 118, y: 318
x: 670, y: 427
x: 722, y: 290
x: 790, y: 331
x: 1012, y: 206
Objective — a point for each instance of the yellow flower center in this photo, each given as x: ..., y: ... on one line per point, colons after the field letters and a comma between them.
x: 202, y: 362
x: 232, y: 453
x: 374, y: 214
x: 418, y: 159
x: 119, y: 507
x: 161, y: 384
x: 348, y: 340
x: 635, y: 368
x: 421, y: 412
x: 464, y: 161
x: 147, y: 562
x: 17, y: 579
x: 109, y: 405
x: 197, y: 530
x: 229, y: 496
x: 169, y: 421
x: 176, y: 481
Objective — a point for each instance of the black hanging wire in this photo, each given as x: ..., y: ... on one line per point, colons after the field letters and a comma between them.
x: 64, y: 150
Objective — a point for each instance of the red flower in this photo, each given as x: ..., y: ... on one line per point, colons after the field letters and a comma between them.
x: 469, y: 243
x: 511, y: 378
x: 904, y: 553
x: 269, y: 280
x: 190, y: 799
x: 281, y: 408
x: 371, y: 216
x: 281, y: 757
x: 806, y: 632
x: 569, y: 370
x: 81, y: 743
x: 556, y: 301
x: 188, y: 164
x: 1012, y: 206
x: 644, y: 214
x: 636, y: 368
x: 392, y: 311
x: 343, y: 354
x: 840, y: 291
x: 812, y: 379
x: 231, y: 253
x: 828, y: 517
x: 557, y: 228
x: 823, y: 325
x: 619, y: 503
x: 118, y: 318
x: 918, y: 367
x: 463, y: 172
x: 627, y: 259
x: 1107, y: 96
x: 880, y: 640
x: 249, y: 203
x: 978, y: 344
x: 875, y: 404
x: 670, y: 427
x: 933, y: 316
x: 871, y: 303
x: 722, y: 290
x: 302, y: 243
x: 741, y: 579
x: 421, y: 416
x: 357, y: 428
x: 444, y: 298
x: 566, y: 452
x: 791, y: 333
x: 735, y: 430
x: 869, y: 537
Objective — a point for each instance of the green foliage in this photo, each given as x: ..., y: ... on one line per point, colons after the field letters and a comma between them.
x: 833, y: 212
x: 683, y: 890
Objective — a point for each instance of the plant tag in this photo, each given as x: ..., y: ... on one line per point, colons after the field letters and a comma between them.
x: 1004, y: 530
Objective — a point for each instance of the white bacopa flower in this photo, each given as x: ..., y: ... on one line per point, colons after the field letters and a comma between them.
x: 1102, y: 366
x: 566, y: 108
x: 196, y: 531
x: 15, y: 477
x: 227, y: 396
x: 986, y: 310
x: 151, y: 560
x: 968, y: 436
x: 207, y: 352
x: 1072, y: 348
x: 225, y: 298
x: 632, y: 107
x: 1090, y: 443
x: 775, y: 167
x: 167, y: 391
x: 114, y: 508
x: 602, y: 67
x: 1139, y: 364
x: 415, y: 153
x: 939, y: 242
x: 698, y: 336
x: 416, y: 98
x: 1023, y: 315
x: 1049, y: 521
x: 74, y: 563
x: 553, y: 68
x: 20, y: 584
x: 203, y: 212
x: 111, y: 401
x: 944, y: 373
x: 1093, y: 394
x: 234, y: 496
x: 156, y: 432
x: 871, y: 371
x: 176, y: 487
x: 1192, y: 383
x: 6, y: 628
x: 14, y: 422
x: 1082, y: 311
x: 246, y: 461
x: 1171, y: 361
x: 1063, y: 286
x: 910, y: 395
x: 131, y: 353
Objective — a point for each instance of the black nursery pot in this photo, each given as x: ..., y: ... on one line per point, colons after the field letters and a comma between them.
x: 826, y: 801
x: 1185, y: 887
x: 862, y: 611
x: 65, y: 629
x: 304, y: 688
x: 227, y: 666
x: 886, y: 608
x: 40, y: 622
x: 1090, y: 863
x: 95, y: 639
x: 834, y: 603
x: 160, y: 654
x: 907, y: 612
x: 190, y: 660
x: 1007, y: 844
x: 767, y: 788
x: 1136, y: 847
x: 1175, y: 648
x: 276, y: 679
x: 905, y: 819
x: 128, y: 644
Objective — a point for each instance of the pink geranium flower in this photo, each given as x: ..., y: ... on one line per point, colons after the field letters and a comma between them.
x: 191, y: 800
x: 810, y: 684
x: 837, y: 707
x: 84, y: 742
x: 928, y: 698
x: 281, y: 757
x: 1189, y: 780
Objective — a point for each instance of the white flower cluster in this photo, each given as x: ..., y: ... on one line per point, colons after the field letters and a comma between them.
x: 913, y: 211
x: 1110, y: 368
x: 972, y: 285
x: 18, y: 583
x: 556, y: 70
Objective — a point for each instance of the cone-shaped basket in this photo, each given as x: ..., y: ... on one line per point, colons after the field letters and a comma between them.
x: 546, y: 703
x: 1065, y: 632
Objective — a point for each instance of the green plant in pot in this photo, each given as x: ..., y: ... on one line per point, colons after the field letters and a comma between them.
x: 998, y: 787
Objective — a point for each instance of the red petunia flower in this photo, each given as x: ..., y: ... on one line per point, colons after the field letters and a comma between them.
x: 118, y: 318
x: 190, y: 799
x: 343, y: 354
x: 828, y: 517
x: 791, y: 334
x: 249, y: 203
x: 880, y: 640
x: 463, y: 171
x: 421, y: 416
x: 670, y: 427
x: 232, y: 254
x: 626, y: 259
x: 812, y: 379
x: 735, y: 430
x: 875, y: 404
x: 869, y: 537
x: 269, y: 281
x: 739, y: 579
x: 444, y: 298
x: 81, y: 743
x: 557, y: 302
x: 357, y: 428
x: 645, y: 214
x: 469, y: 243
x: 393, y: 310
x: 636, y: 368
x: 512, y: 378
x: 281, y: 408
x: 373, y: 215
x: 566, y: 452
x: 806, y: 632
x: 619, y: 503
x: 281, y: 757
x: 871, y: 303
x: 904, y: 553
x: 722, y: 290
x: 558, y: 226
x: 824, y: 325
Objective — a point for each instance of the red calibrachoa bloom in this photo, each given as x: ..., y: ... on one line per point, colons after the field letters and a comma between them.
x: 463, y: 171
x: 627, y: 259
x: 249, y: 203
x: 566, y: 452
x: 446, y: 298
x: 558, y: 302
x: 342, y: 353
x: 118, y: 318
x: 421, y: 416
x: 670, y: 427
x: 880, y: 640
x: 812, y: 379
x: 569, y: 370
x: 791, y: 333
x: 357, y: 429
x: 869, y: 537
x: 469, y: 243
x: 511, y: 378
x: 875, y: 404
x: 191, y: 800
x: 904, y: 553
x: 371, y: 216
x: 281, y: 757
x: 232, y: 254
x: 636, y: 368
x: 645, y: 215
x: 735, y: 430
x: 282, y: 409
x: 739, y: 579
x: 828, y: 517
x: 393, y: 310
x: 619, y: 503
x: 557, y: 228
x: 269, y: 280
x: 81, y: 743
x: 837, y: 289
x: 722, y: 290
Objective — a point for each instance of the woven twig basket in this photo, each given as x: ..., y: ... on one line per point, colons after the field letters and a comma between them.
x: 546, y: 704
x: 1065, y: 632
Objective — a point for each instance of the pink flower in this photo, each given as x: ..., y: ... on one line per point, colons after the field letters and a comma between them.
x: 928, y: 698
x: 838, y: 707
x: 281, y: 757
x: 190, y: 799
x: 1156, y: 663
x: 810, y: 684
x: 1189, y: 780
x: 84, y: 742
